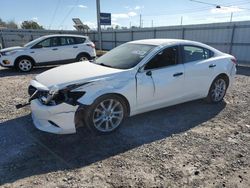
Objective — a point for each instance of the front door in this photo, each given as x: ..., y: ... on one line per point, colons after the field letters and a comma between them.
x: 161, y: 83
x: 47, y: 50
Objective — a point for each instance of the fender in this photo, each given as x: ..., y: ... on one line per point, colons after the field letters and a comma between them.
x: 125, y: 88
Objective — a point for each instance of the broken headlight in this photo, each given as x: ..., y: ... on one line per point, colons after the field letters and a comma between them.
x: 55, y: 96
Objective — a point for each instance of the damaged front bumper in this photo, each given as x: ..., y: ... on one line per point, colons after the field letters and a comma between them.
x: 57, y: 119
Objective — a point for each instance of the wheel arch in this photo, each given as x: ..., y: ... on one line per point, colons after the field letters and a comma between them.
x: 223, y: 75
x: 83, y: 53
x: 91, y: 100
x: 78, y: 118
x: 124, y: 99
x: 24, y: 56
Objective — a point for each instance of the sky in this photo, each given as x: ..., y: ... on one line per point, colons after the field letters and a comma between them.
x: 58, y: 14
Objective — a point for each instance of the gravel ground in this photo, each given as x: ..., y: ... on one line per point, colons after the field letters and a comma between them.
x: 189, y: 145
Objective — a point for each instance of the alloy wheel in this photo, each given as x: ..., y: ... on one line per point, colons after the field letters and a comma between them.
x: 108, y: 115
x: 25, y: 65
x: 219, y: 90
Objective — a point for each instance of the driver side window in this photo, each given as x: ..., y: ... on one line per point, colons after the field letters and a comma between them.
x: 50, y: 42
x: 167, y: 57
x: 44, y: 44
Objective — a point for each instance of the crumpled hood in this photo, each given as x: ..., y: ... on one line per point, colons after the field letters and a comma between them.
x: 75, y: 73
x: 12, y: 49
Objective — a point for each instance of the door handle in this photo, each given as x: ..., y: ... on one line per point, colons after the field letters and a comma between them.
x: 75, y: 46
x: 177, y: 74
x: 55, y: 49
x: 149, y: 73
x: 212, y: 65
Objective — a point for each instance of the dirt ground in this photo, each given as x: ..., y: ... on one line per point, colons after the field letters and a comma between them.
x: 189, y: 145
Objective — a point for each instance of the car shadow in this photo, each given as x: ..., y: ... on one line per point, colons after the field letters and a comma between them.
x: 26, y: 151
x: 8, y: 72
x: 243, y: 70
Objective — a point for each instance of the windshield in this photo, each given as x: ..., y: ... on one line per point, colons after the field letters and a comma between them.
x: 125, y: 56
x: 31, y: 43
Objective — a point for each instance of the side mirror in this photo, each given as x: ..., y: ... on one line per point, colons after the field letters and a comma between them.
x: 141, y: 69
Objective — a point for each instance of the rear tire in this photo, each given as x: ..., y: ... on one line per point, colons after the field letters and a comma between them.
x: 217, y: 90
x: 83, y: 57
x: 24, y: 64
x: 106, y: 114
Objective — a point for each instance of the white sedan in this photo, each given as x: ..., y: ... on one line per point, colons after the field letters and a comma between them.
x: 136, y: 77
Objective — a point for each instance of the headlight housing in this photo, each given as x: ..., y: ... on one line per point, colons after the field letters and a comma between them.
x: 50, y: 95
x: 8, y: 53
x: 55, y: 96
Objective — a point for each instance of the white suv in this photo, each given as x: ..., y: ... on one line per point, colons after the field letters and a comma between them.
x: 48, y: 50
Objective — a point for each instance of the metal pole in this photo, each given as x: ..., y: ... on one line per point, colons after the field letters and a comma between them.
x: 183, y: 33
x: 2, y: 40
x: 231, y: 17
x: 181, y: 20
x: 115, y: 39
x: 152, y: 23
x: 154, y: 32
x: 232, y: 40
x: 99, y: 24
x: 140, y: 20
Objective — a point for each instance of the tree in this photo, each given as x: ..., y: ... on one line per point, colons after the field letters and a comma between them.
x: 31, y: 25
x: 2, y: 23
x: 9, y: 24
x: 134, y: 27
x: 117, y: 27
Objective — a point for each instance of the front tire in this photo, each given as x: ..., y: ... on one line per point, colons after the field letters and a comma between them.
x: 217, y: 90
x: 24, y: 64
x: 106, y: 114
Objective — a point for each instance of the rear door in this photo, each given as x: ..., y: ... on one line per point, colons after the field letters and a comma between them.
x: 199, y: 69
x: 46, y: 51
x: 69, y: 48
x: 161, y: 82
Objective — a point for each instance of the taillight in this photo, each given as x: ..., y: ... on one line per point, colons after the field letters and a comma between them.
x: 234, y: 61
x: 92, y: 45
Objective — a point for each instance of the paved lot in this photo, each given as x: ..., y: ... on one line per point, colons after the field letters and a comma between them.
x: 193, y: 144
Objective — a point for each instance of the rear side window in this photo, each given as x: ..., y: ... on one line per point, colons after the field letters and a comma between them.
x: 79, y: 40
x: 54, y: 42
x: 167, y: 57
x: 67, y: 41
x: 195, y: 53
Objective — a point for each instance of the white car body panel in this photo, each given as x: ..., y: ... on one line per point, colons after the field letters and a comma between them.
x: 143, y: 93
x: 76, y: 72
x: 160, y: 88
x: 49, y: 55
x: 62, y: 115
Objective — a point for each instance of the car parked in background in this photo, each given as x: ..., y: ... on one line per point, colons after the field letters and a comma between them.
x: 133, y: 78
x: 48, y: 50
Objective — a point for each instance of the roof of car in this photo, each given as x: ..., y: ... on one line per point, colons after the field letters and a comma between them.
x: 161, y: 41
x: 64, y: 35
x: 165, y: 42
